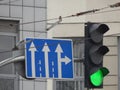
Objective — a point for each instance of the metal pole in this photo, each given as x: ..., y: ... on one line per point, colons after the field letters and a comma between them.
x: 11, y: 60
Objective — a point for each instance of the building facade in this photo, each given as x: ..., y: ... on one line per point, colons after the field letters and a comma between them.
x: 20, y: 19
x: 27, y: 18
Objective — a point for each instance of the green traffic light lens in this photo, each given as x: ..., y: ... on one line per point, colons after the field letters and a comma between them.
x: 97, y: 78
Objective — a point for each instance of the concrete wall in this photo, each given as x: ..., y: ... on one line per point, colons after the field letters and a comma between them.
x: 64, y: 8
x: 111, y: 62
x: 58, y: 8
x: 74, y: 27
x: 108, y: 15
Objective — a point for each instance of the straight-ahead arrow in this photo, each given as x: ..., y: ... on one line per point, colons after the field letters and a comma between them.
x: 66, y: 60
x: 33, y: 50
x: 59, y: 51
x: 46, y: 50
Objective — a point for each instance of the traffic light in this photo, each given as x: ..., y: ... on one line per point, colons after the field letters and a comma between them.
x: 94, y: 52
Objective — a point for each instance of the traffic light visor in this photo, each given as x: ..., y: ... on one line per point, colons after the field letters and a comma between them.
x: 97, y: 31
x: 97, y: 52
x: 96, y: 78
x: 104, y: 70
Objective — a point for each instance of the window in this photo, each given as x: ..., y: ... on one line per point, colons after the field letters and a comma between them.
x: 78, y: 53
x: 8, y: 36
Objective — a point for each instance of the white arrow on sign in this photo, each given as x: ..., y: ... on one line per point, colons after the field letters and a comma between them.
x: 46, y: 50
x: 33, y: 50
x: 66, y: 60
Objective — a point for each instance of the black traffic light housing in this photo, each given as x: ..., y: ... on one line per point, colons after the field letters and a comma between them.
x: 94, y: 52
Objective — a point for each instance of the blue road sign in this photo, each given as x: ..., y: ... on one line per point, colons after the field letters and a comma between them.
x: 49, y: 58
